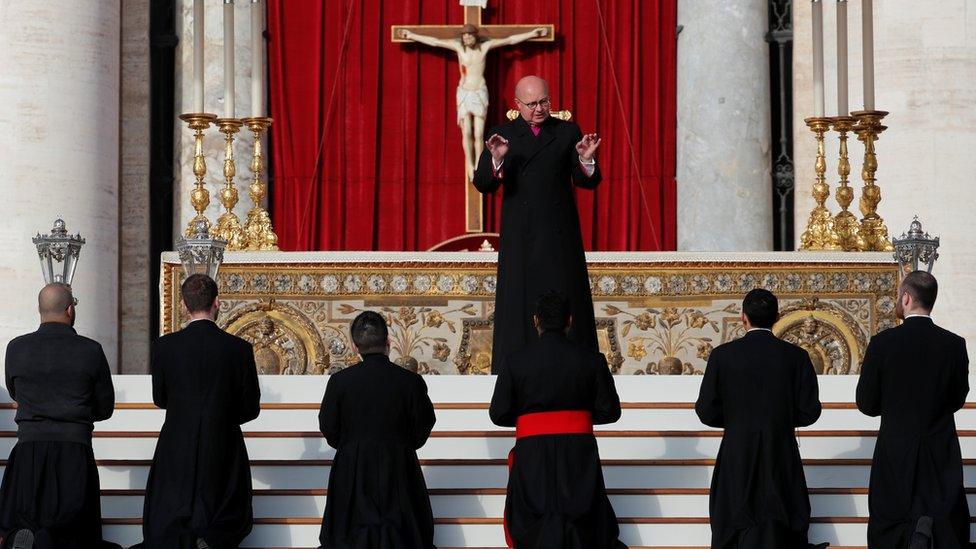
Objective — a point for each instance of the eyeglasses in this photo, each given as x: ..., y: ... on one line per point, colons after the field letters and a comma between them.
x: 545, y: 103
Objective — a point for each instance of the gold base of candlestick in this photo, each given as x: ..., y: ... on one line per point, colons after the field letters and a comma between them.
x: 199, y: 196
x: 820, y: 233
x: 845, y: 223
x: 874, y: 233
x: 228, y: 224
x: 260, y: 233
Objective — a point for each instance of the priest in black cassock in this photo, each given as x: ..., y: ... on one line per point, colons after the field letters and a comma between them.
x: 916, y: 376
x: 376, y: 415
x: 553, y: 391
x: 62, y: 385
x: 538, y: 160
x: 199, y: 489
x: 759, y: 388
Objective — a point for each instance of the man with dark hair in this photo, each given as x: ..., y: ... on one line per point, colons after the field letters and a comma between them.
x: 62, y: 385
x: 376, y: 415
x: 759, y: 388
x: 553, y: 391
x: 199, y: 489
x: 915, y: 376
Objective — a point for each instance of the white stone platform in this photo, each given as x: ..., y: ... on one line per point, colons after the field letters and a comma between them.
x: 657, y: 461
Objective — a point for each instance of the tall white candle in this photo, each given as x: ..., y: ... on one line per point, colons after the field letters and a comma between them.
x: 818, y: 59
x: 867, y: 48
x: 198, y: 56
x: 842, y: 94
x: 229, y: 59
x: 257, y: 58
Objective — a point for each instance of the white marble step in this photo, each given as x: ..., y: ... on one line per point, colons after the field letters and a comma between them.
x: 286, y: 477
x: 682, y: 447
x: 488, y: 506
x: 477, y: 419
x: 492, y: 535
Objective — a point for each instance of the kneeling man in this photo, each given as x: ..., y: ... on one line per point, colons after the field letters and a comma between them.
x: 62, y: 386
x: 553, y: 391
x: 916, y: 376
x: 376, y: 415
x: 199, y: 491
x: 759, y: 388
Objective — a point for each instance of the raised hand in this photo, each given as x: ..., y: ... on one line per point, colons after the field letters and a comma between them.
x: 587, y: 146
x: 497, y: 147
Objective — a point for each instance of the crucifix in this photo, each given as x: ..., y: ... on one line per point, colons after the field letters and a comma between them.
x: 472, y: 41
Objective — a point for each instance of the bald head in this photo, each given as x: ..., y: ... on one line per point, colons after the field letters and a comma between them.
x: 532, y: 99
x: 54, y: 302
x: 531, y: 85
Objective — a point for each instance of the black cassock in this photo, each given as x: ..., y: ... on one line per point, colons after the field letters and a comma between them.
x: 759, y: 389
x: 376, y: 415
x: 915, y: 376
x: 200, y: 481
x: 541, y: 246
x: 62, y: 385
x: 556, y: 495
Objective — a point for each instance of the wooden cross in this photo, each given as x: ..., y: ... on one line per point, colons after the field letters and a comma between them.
x: 473, y: 214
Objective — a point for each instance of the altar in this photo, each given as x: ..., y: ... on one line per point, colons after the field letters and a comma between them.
x: 657, y: 313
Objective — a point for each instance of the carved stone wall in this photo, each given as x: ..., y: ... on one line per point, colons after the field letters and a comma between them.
x: 656, y: 313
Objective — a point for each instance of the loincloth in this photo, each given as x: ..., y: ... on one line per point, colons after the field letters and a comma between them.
x: 473, y: 102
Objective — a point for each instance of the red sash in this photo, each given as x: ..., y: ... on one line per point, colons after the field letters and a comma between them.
x: 563, y: 422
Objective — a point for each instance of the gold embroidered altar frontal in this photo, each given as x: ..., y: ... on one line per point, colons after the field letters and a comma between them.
x: 657, y: 313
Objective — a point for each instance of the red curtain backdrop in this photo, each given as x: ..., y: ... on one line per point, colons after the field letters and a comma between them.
x: 366, y: 152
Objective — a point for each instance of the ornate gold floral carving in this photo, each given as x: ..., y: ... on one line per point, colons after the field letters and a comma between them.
x: 669, y: 332
x: 857, y: 297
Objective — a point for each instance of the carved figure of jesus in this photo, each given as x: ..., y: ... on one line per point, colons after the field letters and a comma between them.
x: 472, y: 90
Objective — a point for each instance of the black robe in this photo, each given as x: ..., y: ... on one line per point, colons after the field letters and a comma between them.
x: 541, y: 245
x: 556, y: 495
x: 915, y: 376
x: 759, y: 389
x: 62, y: 385
x: 200, y: 481
x: 376, y: 415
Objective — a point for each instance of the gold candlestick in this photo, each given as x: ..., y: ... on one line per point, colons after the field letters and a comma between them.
x: 873, y: 230
x: 260, y: 233
x: 820, y: 233
x: 228, y: 224
x: 199, y: 196
x: 845, y: 223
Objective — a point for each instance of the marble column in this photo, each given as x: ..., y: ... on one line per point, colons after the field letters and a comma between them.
x: 59, y: 156
x: 723, y: 171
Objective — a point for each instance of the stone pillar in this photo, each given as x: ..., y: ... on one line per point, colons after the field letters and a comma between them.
x: 925, y: 76
x: 135, y: 263
x: 723, y: 171
x: 59, y: 156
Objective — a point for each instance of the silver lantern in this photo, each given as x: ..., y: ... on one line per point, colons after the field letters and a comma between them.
x: 59, y: 253
x: 916, y: 250
x: 201, y: 253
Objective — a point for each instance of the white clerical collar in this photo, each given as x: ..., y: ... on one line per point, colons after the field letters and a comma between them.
x: 192, y: 320
x: 922, y: 316
x: 763, y: 329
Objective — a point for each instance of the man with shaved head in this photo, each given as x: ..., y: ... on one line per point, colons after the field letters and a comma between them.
x: 62, y: 385
x: 537, y: 160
